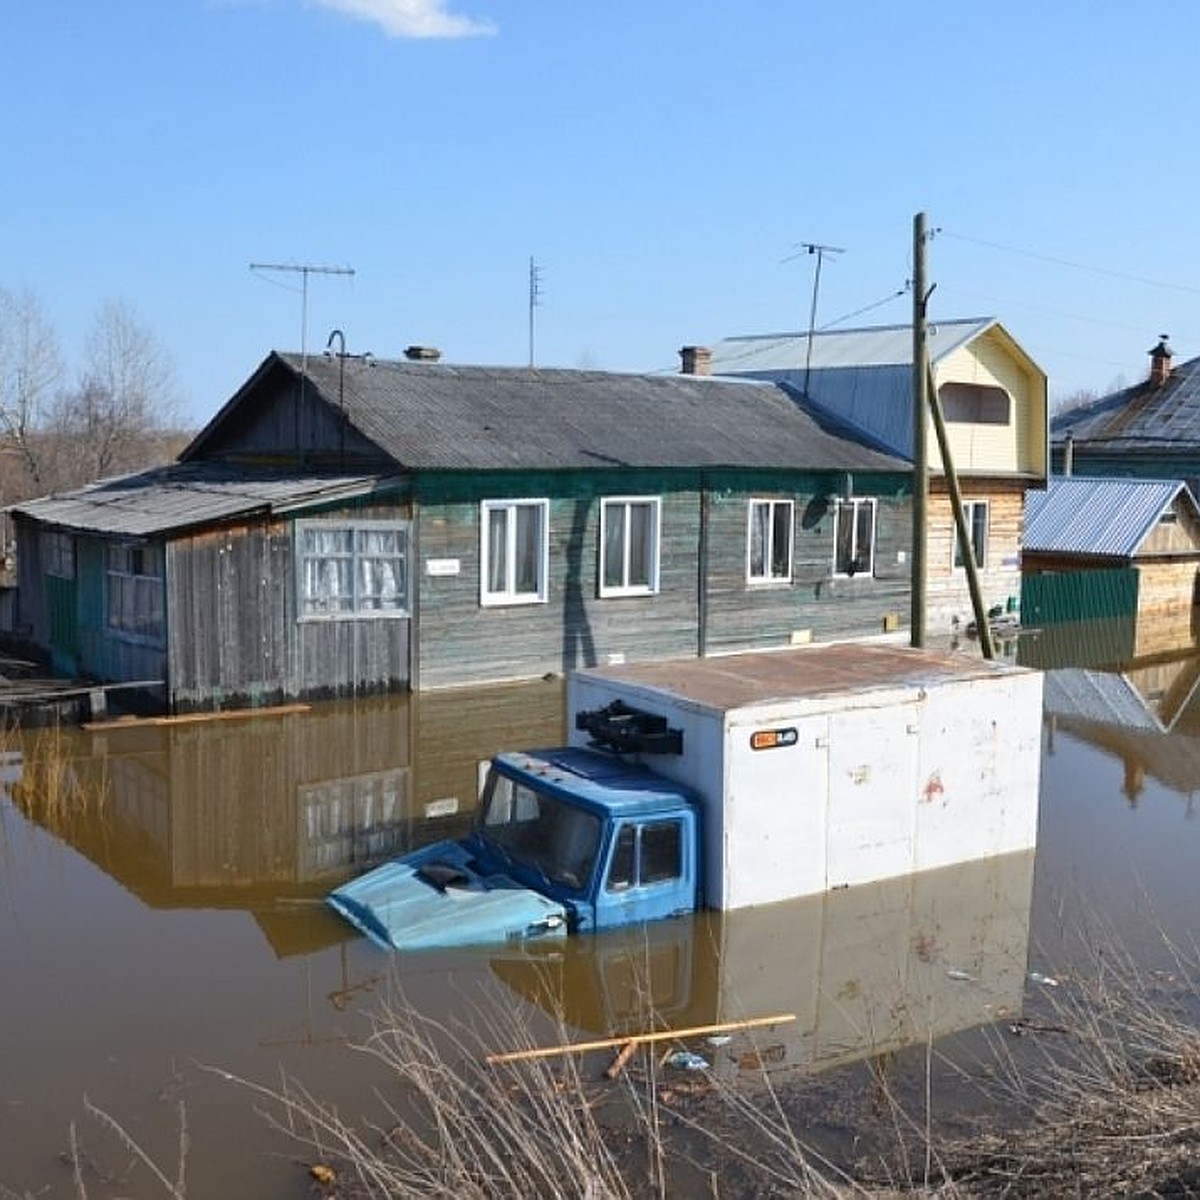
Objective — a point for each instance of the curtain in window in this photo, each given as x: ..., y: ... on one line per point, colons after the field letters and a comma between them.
x: 641, y: 542
x: 497, y: 549
x: 781, y: 540
x: 528, y: 550
x: 614, y: 545
x: 760, y: 515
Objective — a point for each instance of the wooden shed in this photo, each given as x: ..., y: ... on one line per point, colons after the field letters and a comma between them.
x: 352, y: 525
x: 1112, y: 548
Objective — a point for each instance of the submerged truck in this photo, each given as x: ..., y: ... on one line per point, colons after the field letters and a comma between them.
x: 726, y: 782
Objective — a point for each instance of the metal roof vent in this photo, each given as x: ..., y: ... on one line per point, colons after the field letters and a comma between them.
x: 422, y: 353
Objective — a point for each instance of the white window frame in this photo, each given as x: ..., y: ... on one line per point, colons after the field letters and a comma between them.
x: 507, y: 593
x: 854, y: 504
x: 351, y: 565
x: 970, y: 508
x: 609, y: 504
x: 766, y: 574
x: 134, y: 591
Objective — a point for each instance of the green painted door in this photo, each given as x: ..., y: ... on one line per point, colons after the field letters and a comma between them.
x: 62, y: 604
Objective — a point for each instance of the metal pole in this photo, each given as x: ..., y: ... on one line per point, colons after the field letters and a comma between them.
x: 920, y: 463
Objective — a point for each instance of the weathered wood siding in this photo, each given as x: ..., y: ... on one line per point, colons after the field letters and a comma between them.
x: 948, y: 596
x: 235, y: 636
x: 462, y: 641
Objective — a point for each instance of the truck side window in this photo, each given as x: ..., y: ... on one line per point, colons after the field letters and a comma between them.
x: 621, y: 873
x: 662, y: 852
x: 646, y: 854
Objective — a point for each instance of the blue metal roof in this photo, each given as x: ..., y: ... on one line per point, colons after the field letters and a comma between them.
x: 1101, y: 517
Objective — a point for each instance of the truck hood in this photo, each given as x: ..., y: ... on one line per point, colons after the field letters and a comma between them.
x: 440, y: 896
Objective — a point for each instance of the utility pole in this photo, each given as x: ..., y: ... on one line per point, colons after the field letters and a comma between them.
x: 535, y: 293
x: 920, y: 456
x: 305, y: 270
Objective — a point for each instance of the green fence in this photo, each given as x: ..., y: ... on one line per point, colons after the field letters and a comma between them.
x: 1078, y: 596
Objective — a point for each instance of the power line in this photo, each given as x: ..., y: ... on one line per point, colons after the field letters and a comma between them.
x: 1076, y: 266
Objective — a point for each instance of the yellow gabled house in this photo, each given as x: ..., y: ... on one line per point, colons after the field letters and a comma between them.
x: 994, y: 401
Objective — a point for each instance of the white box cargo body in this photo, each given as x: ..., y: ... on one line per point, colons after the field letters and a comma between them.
x: 829, y: 766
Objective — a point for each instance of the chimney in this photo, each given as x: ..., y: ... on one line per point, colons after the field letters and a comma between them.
x: 1160, y: 362
x: 697, y: 360
x: 1068, y: 456
x: 422, y: 353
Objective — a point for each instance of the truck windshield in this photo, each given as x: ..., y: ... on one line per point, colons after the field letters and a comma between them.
x: 533, y: 828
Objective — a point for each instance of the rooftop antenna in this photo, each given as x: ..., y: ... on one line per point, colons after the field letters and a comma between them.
x: 535, y: 296
x: 304, y: 270
x: 820, y: 251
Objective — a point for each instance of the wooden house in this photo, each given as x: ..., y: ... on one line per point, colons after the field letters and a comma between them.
x: 1148, y: 431
x: 1125, y: 549
x: 350, y: 525
x: 993, y: 401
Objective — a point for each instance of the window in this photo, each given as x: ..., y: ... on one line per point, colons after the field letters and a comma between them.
x: 352, y: 569
x: 134, y: 582
x: 514, y: 551
x: 769, y: 542
x: 973, y: 403
x: 854, y: 537
x: 629, y: 529
x: 646, y: 854
x: 976, y: 514
x: 58, y: 554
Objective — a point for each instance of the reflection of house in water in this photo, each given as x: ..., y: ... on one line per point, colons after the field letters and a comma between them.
x: 866, y: 970
x: 1143, y: 709
x: 258, y: 813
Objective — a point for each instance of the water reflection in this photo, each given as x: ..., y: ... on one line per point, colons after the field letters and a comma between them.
x: 865, y: 970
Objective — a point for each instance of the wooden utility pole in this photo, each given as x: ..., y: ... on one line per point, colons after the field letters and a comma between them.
x: 920, y: 457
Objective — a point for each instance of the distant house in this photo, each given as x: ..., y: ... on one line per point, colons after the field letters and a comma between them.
x: 993, y: 399
x: 349, y: 526
x: 1148, y: 431
x: 1104, y: 548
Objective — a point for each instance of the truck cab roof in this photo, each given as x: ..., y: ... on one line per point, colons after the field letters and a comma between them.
x: 598, y: 778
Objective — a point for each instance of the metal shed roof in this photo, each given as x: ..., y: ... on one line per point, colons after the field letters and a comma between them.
x: 1102, y: 517
x: 1142, y: 417
x: 187, y: 495
x: 434, y: 416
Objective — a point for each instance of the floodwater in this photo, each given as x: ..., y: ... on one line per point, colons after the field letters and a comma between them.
x: 161, y: 923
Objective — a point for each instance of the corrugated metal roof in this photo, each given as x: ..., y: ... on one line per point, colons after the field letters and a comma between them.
x: 872, y: 346
x: 443, y: 417
x: 1103, y: 697
x: 1142, y: 417
x: 187, y: 495
x: 1106, y: 517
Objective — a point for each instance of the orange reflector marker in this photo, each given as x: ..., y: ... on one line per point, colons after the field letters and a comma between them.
x: 772, y: 739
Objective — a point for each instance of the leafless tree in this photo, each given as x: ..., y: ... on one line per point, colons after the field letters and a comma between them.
x: 30, y: 370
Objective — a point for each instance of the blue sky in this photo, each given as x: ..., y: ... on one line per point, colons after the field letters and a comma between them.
x: 659, y: 160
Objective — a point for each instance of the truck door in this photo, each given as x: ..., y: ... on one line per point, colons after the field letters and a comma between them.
x: 651, y: 871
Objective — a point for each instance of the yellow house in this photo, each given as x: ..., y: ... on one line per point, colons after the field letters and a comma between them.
x: 994, y: 401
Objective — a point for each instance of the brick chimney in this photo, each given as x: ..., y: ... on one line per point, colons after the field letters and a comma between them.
x: 697, y: 360
x: 1160, y: 362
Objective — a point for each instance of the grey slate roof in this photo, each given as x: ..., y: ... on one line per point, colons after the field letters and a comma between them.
x: 864, y: 376
x: 1142, y: 417
x: 435, y: 416
x: 1108, y: 517
x: 188, y: 495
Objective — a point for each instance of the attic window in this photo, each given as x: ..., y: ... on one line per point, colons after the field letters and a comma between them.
x: 974, y: 404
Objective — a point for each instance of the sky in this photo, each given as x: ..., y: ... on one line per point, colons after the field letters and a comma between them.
x: 663, y: 164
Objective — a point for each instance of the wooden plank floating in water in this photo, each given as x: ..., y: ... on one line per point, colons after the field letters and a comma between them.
x: 233, y: 714
x: 636, y: 1039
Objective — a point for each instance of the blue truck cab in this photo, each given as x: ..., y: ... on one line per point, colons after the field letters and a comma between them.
x: 566, y: 840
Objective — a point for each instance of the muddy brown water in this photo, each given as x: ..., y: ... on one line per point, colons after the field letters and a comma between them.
x: 161, y: 923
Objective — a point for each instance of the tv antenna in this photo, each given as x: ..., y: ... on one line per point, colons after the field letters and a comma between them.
x: 304, y: 270
x: 820, y: 251
x: 535, y: 298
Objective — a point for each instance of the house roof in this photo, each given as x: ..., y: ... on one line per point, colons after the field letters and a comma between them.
x: 862, y: 375
x: 187, y: 495
x: 1143, y: 417
x: 1104, y: 517
x: 434, y: 416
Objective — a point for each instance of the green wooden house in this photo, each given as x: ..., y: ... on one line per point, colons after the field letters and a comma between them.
x: 350, y: 525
